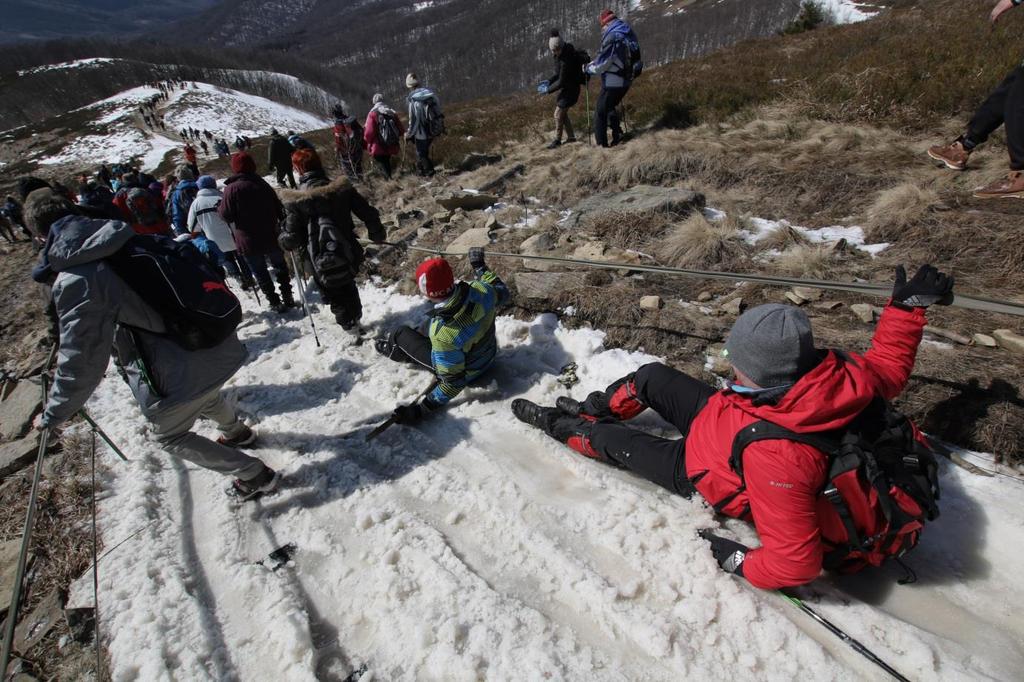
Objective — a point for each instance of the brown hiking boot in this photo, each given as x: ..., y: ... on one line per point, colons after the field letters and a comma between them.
x: 954, y: 155
x: 1009, y: 187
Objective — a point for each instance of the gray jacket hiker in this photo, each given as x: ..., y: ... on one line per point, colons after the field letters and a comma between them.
x: 420, y: 100
x: 173, y: 386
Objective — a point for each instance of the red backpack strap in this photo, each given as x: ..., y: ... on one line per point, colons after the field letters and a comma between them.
x: 828, y: 443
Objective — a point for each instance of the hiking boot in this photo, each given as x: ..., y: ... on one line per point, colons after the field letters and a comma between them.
x: 555, y: 144
x: 569, y: 406
x: 245, y: 437
x: 264, y: 482
x: 385, y: 347
x: 953, y: 155
x: 1009, y: 187
x: 533, y: 414
x: 573, y: 431
x: 247, y: 284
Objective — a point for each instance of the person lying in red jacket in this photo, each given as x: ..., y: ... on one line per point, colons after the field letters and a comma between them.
x: 780, y: 377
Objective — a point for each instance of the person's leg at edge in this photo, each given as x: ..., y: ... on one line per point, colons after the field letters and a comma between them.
x: 1013, y: 118
x: 601, y: 119
x: 171, y: 428
x: 570, y: 134
x: 258, y: 268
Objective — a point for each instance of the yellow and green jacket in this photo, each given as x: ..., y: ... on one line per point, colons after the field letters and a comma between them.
x: 463, y: 345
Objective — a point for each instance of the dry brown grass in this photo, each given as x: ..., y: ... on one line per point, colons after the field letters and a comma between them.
x: 898, y: 208
x: 785, y: 237
x: 808, y: 260
x: 630, y: 230
x: 701, y: 243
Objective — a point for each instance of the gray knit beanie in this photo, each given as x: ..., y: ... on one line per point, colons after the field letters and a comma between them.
x: 772, y: 344
x: 411, y: 81
x: 378, y: 98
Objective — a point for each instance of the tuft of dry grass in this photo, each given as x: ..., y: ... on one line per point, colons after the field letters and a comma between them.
x: 808, y: 260
x: 785, y: 237
x: 630, y: 230
x: 701, y: 243
x: 898, y: 208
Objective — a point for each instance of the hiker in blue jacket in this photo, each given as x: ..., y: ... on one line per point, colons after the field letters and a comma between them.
x: 618, y: 63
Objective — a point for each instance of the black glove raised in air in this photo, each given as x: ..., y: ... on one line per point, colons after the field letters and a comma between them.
x: 476, y: 258
x: 927, y: 287
x: 728, y: 553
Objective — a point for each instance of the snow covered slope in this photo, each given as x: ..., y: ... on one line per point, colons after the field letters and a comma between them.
x: 476, y: 548
x: 114, y: 131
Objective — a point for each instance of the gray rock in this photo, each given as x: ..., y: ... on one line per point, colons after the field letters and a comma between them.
x: 478, y: 236
x: 704, y: 297
x: 808, y: 293
x: 864, y: 311
x: 1009, y: 340
x: 442, y: 218
x: 650, y: 303
x: 469, y: 201
x: 733, y: 306
x: 828, y: 305
x: 17, y: 411
x: 717, y: 362
x: 985, y: 341
x: 18, y: 454
x: 542, y: 285
x: 542, y: 244
x: 35, y: 626
x: 794, y: 299
x: 8, y: 567
x: 638, y: 199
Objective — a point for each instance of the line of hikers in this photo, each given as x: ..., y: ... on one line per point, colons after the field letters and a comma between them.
x: 803, y: 442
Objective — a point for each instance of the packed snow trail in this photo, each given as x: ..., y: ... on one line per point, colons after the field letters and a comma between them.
x: 475, y: 547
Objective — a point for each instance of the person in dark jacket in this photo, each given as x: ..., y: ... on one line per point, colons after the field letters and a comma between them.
x: 173, y: 387
x: 566, y: 82
x: 617, y: 69
x: 12, y: 209
x: 319, y: 220
x: 781, y: 378
x: 279, y: 158
x: 251, y: 205
x: 181, y: 198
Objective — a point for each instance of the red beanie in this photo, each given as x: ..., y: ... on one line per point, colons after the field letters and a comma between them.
x: 434, y: 278
x: 607, y: 16
x: 242, y: 163
x: 306, y: 160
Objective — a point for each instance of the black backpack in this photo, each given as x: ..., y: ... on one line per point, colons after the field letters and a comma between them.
x: 387, y: 130
x: 197, y: 307
x: 882, y: 485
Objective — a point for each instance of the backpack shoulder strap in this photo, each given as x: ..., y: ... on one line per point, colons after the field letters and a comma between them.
x: 765, y: 430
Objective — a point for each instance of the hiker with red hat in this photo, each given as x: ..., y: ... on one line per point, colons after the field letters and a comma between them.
x: 251, y: 205
x: 319, y: 220
x: 803, y: 442
x: 618, y: 62
x: 460, y: 345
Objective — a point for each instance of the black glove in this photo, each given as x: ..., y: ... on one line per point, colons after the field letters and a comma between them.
x: 476, y: 257
x: 728, y: 553
x: 927, y: 287
x: 411, y: 414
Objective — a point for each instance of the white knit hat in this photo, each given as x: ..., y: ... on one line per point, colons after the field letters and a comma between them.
x: 411, y: 81
x: 378, y: 98
x: 554, y: 43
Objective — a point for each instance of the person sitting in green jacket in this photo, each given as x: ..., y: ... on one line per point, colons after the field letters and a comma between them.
x: 461, y: 345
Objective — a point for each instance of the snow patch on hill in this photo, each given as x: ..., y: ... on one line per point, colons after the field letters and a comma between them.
x: 76, y: 64
x: 116, y: 132
x: 475, y: 547
x: 845, y: 11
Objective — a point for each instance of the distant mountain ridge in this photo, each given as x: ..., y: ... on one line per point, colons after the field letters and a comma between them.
x: 50, y: 19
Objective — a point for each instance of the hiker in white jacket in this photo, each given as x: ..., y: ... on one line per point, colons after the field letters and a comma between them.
x: 203, y: 217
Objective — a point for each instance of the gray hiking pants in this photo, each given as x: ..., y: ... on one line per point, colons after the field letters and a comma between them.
x: 172, y: 429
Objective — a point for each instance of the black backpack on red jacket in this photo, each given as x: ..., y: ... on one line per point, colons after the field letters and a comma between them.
x: 174, y: 278
x: 881, y: 488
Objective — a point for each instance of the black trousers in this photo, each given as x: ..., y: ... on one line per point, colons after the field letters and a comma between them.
x: 282, y: 174
x: 678, y: 398
x: 423, y: 163
x: 384, y: 161
x: 606, y: 113
x: 1004, y: 106
x: 345, y: 303
x: 411, y: 347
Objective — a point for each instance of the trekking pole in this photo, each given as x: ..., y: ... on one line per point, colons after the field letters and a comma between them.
x: 590, y: 121
x: 106, y: 439
x: 302, y: 295
x: 95, y: 569
x: 389, y: 422
x: 854, y: 644
x: 26, y: 534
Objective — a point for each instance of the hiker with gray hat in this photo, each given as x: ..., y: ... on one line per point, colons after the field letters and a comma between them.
x: 792, y: 391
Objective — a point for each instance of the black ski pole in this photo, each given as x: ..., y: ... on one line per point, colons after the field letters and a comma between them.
x: 854, y: 644
x: 390, y: 421
x: 302, y: 295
